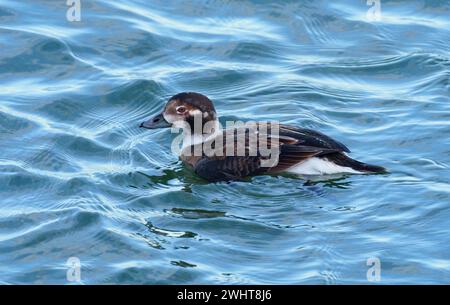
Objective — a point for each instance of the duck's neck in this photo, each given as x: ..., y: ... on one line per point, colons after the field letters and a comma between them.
x: 199, y: 138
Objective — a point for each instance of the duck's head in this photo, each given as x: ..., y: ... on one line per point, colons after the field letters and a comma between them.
x: 185, y: 107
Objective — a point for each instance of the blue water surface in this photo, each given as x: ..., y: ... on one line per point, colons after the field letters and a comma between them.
x: 78, y: 178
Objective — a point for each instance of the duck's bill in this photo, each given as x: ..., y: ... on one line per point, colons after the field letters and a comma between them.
x: 157, y: 121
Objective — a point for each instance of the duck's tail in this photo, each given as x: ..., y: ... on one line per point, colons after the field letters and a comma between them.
x: 342, y: 159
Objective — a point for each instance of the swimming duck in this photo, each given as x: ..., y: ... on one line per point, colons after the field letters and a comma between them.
x: 296, y: 150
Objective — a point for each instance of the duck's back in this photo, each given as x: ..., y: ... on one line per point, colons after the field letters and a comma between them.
x: 234, y: 154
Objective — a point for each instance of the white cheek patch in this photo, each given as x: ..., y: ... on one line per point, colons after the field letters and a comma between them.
x: 175, y: 120
x: 181, y: 124
x: 170, y: 118
x: 195, y: 112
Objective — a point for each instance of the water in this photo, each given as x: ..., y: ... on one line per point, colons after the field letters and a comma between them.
x: 80, y: 179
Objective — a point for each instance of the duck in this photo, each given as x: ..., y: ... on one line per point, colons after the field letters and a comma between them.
x: 287, y: 148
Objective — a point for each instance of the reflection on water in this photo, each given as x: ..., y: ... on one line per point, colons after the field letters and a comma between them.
x: 80, y: 179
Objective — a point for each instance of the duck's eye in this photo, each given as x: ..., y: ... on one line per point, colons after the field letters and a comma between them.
x: 181, y: 109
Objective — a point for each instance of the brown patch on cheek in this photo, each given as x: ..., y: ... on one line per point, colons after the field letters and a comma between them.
x: 189, y: 110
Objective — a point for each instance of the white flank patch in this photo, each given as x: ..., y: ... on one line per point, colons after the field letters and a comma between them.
x: 318, y: 166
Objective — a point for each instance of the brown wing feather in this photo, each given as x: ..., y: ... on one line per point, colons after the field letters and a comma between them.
x: 226, y: 167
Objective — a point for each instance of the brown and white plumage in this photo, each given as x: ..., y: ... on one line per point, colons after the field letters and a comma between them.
x: 299, y: 150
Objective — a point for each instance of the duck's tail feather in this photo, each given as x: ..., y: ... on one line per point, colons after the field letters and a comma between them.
x: 342, y: 159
